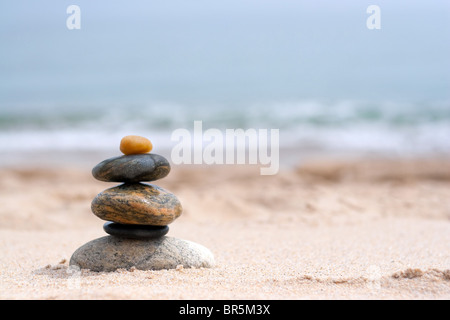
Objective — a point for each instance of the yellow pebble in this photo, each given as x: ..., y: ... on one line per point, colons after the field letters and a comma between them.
x: 135, y: 145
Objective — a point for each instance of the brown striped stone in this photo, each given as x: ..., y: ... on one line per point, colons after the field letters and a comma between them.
x: 137, y: 203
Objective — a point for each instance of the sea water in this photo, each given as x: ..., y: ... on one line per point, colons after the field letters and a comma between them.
x: 313, y: 71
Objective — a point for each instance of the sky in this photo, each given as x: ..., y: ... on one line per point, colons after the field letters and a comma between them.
x: 223, y: 51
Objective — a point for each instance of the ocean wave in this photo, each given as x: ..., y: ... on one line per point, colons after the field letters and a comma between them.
x: 283, y: 115
x: 344, y: 125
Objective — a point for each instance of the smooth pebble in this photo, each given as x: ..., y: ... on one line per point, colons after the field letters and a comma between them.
x: 135, y: 145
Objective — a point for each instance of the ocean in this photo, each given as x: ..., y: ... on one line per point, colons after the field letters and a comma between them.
x: 352, y: 126
x: 313, y: 71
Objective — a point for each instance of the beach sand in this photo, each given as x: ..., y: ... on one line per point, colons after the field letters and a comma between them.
x: 328, y: 229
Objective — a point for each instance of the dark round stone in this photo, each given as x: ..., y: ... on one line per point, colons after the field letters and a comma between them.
x: 135, y: 231
x: 132, y: 168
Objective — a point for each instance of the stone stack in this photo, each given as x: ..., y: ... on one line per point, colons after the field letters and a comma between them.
x: 137, y: 215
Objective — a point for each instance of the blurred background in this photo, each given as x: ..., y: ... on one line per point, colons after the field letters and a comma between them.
x: 311, y: 69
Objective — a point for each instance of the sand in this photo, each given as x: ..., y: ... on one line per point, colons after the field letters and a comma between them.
x: 328, y: 229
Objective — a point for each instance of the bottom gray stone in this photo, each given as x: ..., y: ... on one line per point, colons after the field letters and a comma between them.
x: 111, y: 253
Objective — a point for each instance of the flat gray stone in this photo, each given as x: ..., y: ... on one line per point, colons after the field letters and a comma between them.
x: 132, y: 168
x: 111, y: 253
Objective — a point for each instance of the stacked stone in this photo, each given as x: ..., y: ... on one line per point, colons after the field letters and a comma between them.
x: 134, y: 209
x: 137, y: 215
